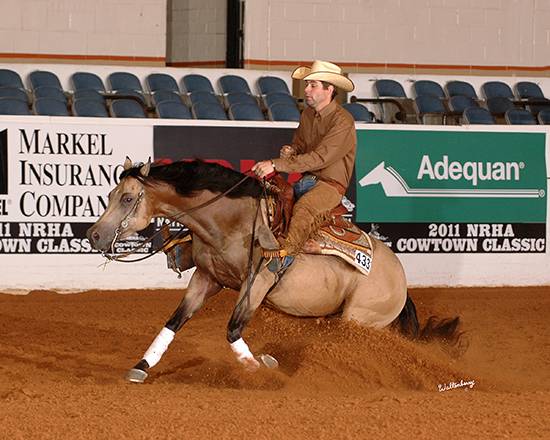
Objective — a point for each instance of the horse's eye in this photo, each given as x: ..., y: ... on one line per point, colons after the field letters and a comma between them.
x: 127, y: 199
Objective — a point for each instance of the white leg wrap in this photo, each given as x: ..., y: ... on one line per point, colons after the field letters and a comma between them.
x: 242, y: 351
x: 159, y: 346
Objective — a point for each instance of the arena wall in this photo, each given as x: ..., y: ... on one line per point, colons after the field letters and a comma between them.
x: 505, y: 37
x: 39, y: 250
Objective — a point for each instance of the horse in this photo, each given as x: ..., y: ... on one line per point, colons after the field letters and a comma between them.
x: 224, y: 211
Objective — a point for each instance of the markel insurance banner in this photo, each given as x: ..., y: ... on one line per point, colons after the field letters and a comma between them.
x: 453, y: 192
x: 54, y: 184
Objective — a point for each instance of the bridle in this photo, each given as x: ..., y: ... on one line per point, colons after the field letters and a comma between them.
x: 124, y: 223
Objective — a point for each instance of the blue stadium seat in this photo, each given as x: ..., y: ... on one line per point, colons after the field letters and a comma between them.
x: 460, y: 88
x: 126, y: 84
x: 359, y: 112
x: 430, y: 109
x: 204, y: 97
x: 272, y: 84
x: 50, y: 92
x: 90, y: 108
x: 278, y: 98
x: 428, y: 87
x: 10, y: 78
x: 389, y: 88
x: 40, y: 78
x: 165, y: 95
x: 234, y: 83
x: 519, y: 116
x: 88, y: 94
x: 87, y: 81
x: 391, y: 112
x: 197, y: 83
x: 459, y: 103
x: 10, y: 106
x: 173, y: 110
x: 14, y: 93
x: 497, y: 89
x: 207, y: 110
x: 245, y: 112
x: 499, y: 105
x: 239, y: 98
x: 50, y: 107
x: 528, y: 89
x: 161, y: 81
x: 283, y: 112
x: 127, y: 108
x: 478, y: 115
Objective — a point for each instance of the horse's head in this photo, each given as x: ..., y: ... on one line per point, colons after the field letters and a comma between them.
x: 126, y: 213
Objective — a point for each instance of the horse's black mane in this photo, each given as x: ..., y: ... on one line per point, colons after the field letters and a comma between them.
x: 188, y: 177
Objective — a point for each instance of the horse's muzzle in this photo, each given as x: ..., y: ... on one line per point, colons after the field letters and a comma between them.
x: 98, y: 241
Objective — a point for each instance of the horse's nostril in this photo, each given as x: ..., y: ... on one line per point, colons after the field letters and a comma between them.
x: 95, y: 236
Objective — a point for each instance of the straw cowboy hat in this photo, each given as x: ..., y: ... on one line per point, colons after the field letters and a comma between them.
x: 324, y: 71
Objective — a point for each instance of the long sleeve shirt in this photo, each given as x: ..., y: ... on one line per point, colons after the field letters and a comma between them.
x: 325, y: 144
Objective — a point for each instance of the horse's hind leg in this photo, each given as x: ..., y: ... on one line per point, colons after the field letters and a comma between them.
x: 379, y: 297
x: 201, y: 286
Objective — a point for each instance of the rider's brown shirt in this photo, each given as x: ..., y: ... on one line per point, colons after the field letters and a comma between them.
x: 325, y: 143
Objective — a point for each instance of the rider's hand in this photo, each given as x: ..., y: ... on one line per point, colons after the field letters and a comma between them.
x: 287, y: 151
x: 263, y: 168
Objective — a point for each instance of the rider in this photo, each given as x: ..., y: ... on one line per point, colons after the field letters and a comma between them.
x: 322, y: 149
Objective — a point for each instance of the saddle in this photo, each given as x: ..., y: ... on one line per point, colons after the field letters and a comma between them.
x: 336, y: 235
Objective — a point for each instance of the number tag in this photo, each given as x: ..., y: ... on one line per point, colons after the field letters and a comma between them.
x: 363, y: 260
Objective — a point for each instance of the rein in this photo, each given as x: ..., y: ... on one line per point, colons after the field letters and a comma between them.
x: 126, y: 220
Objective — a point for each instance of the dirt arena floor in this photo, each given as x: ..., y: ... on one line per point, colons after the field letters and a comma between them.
x: 63, y: 359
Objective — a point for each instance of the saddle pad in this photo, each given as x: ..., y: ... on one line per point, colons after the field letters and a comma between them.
x: 331, y: 240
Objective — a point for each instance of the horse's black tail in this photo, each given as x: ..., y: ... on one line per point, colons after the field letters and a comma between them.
x: 435, y: 328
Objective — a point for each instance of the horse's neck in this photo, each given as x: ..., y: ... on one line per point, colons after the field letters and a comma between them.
x: 214, y: 224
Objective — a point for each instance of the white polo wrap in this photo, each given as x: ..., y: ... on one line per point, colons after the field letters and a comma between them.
x: 159, y: 346
x: 240, y: 348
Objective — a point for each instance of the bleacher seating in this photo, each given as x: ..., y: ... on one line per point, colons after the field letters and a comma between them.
x: 391, y: 102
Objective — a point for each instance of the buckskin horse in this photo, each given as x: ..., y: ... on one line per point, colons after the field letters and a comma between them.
x: 220, y: 208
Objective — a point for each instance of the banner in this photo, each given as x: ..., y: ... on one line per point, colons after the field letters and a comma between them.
x: 55, y: 180
x: 451, y: 191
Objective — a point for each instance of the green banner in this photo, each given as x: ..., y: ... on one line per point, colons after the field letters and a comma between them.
x: 408, y: 176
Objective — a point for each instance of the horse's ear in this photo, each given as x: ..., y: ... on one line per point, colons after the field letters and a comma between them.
x: 144, y: 170
x: 127, y: 164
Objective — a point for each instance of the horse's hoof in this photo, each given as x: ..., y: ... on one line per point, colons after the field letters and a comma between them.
x: 136, y: 375
x: 269, y: 361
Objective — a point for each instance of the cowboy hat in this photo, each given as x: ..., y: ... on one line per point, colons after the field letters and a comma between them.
x: 324, y: 71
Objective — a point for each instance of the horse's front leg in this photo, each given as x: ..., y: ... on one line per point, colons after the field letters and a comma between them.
x: 245, y: 308
x: 201, y: 286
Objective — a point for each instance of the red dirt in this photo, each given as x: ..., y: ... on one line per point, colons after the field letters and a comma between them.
x: 63, y: 359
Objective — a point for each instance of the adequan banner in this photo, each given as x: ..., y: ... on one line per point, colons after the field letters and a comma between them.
x: 453, y: 192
